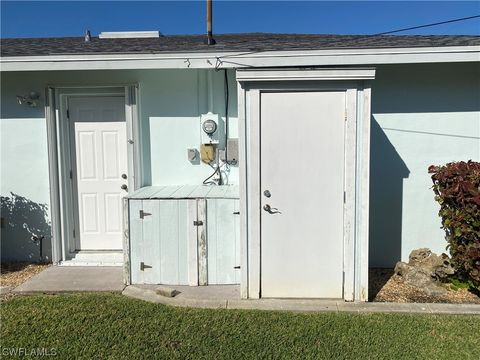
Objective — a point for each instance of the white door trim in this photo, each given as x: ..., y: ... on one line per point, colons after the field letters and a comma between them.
x: 62, y: 205
x: 357, y: 135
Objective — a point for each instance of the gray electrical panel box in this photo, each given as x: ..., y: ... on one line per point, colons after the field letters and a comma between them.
x: 232, y: 151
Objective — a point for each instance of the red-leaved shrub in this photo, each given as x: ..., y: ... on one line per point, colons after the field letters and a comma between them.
x: 457, y: 190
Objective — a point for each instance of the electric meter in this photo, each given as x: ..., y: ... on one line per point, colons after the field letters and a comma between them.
x: 209, y: 126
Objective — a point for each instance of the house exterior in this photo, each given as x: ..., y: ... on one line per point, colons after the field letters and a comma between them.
x: 322, y: 144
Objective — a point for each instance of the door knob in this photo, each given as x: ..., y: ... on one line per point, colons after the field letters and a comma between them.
x: 267, y: 193
x: 124, y: 187
x: 124, y: 176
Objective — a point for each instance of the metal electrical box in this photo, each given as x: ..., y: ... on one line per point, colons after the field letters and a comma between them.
x: 232, y: 151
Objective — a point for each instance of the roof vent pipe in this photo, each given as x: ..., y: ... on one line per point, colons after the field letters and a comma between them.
x: 210, y: 39
x: 88, y: 36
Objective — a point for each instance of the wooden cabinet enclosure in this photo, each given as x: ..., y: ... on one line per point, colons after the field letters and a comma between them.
x: 188, y: 241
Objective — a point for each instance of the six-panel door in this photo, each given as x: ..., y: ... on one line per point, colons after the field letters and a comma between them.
x: 99, y: 152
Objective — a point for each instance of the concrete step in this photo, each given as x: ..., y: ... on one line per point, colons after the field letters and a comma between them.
x: 95, y: 258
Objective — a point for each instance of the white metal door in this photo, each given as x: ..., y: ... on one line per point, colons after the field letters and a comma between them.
x: 302, y: 168
x: 99, y: 152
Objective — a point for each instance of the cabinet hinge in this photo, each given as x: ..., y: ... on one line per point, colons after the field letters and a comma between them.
x: 144, y: 266
x: 143, y: 214
x: 197, y: 223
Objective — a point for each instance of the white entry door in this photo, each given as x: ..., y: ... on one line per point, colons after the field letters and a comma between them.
x: 99, y: 152
x: 302, y: 192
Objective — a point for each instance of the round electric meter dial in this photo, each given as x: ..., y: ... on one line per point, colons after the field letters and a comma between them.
x: 209, y: 127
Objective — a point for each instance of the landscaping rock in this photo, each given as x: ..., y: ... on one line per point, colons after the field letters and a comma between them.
x: 425, y: 270
x: 166, y: 291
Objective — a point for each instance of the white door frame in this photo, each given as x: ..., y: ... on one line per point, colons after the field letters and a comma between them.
x: 59, y: 147
x: 355, y: 83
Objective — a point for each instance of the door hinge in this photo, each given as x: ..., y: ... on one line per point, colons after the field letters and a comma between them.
x: 71, y: 174
x: 198, y: 223
x: 345, y: 115
x: 143, y: 266
x: 74, y: 233
x: 143, y: 214
x: 68, y: 114
x: 344, y: 197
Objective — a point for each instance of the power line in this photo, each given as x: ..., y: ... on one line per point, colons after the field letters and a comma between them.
x: 220, y: 60
x: 427, y: 25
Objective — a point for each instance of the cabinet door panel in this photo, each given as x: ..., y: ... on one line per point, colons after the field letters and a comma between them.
x: 159, y: 240
x: 173, y: 216
x: 144, y: 244
x: 223, y: 252
x: 151, y: 245
x: 136, y: 241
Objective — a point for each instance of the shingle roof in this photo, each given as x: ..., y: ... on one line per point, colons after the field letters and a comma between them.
x: 230, y: 42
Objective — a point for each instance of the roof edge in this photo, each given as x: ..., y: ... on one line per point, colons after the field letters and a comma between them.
x: 238, y: 59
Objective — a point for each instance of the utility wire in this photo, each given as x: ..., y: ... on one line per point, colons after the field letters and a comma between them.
x: 427, y: 25
x: 221, y: 60
x: 226, y: 112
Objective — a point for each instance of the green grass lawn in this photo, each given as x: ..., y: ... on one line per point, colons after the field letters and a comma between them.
x: 112, y: 326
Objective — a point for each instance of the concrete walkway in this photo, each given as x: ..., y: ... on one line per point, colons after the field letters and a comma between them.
x: 228, y: 297
x: 58, y: 279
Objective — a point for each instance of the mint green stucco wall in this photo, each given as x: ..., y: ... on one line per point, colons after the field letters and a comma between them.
x: 421, y: 115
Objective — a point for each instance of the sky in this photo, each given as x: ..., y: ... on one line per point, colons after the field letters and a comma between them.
x: 73, y: 18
